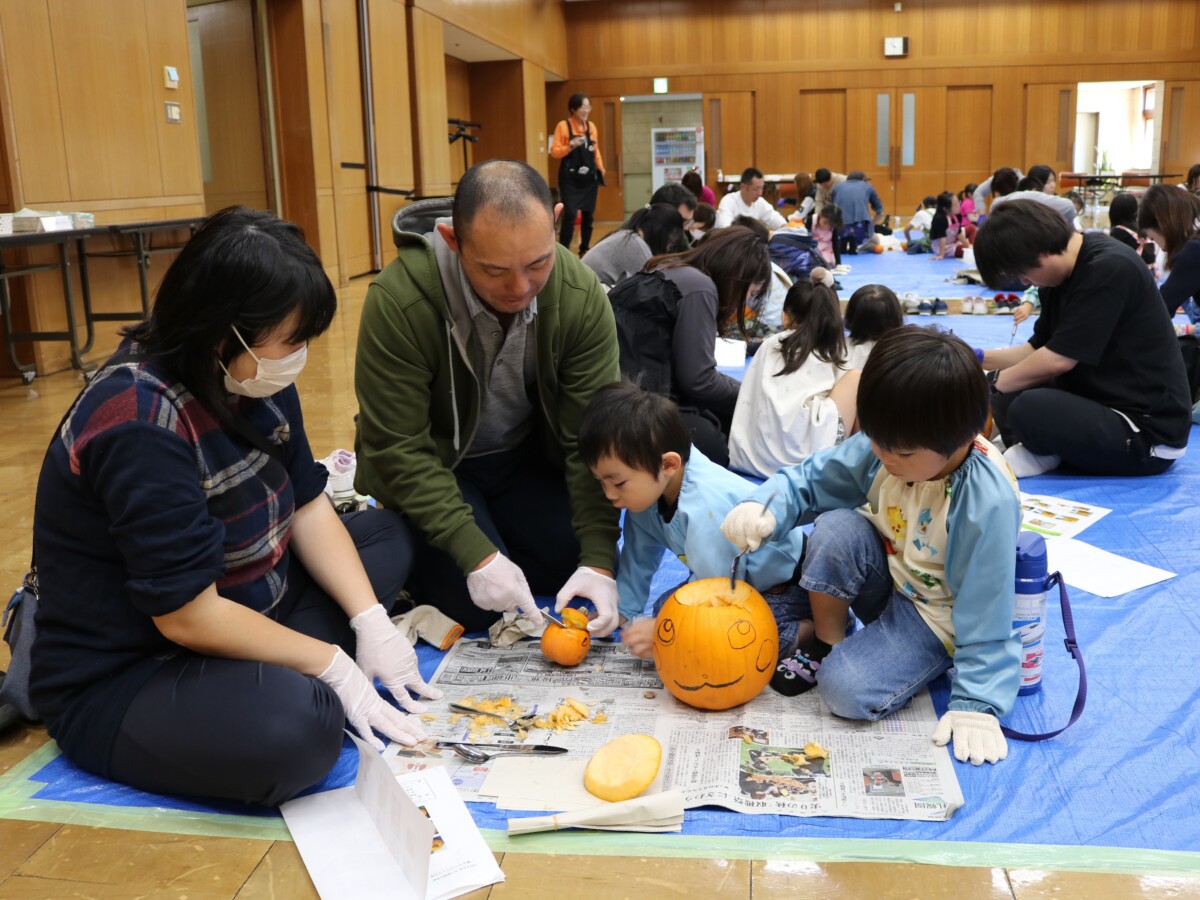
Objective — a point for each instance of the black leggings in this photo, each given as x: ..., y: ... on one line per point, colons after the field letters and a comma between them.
x: 521, y: 503
x: 1088, y: 436
x: 252, y: 731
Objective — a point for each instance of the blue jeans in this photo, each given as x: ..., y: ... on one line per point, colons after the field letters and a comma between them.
x: 880, y: 667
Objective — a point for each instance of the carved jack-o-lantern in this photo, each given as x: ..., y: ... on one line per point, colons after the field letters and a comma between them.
x: 714, y: 647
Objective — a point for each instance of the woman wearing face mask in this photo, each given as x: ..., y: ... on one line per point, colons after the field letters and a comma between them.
x: 207, y: 623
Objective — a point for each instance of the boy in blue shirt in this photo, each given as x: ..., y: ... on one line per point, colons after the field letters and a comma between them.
x: 674, y: 498
x: 916, y: 531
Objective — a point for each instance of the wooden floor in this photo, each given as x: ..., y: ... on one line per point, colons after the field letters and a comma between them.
x: 40, y: 860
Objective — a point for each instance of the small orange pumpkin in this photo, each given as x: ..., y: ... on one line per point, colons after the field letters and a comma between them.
x: 567, y: 646
x: 715, y: 648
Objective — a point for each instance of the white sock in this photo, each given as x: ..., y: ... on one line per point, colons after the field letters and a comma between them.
x: 1025, y: 464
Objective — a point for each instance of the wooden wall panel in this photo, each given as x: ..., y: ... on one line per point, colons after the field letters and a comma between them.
x: 1180, y: 140
x: 1050, y: 125
x: 392, y: 108
x: 729, y: 121
x: 40, y: 169
x: 821, y: 143
x: 105, y: 87
x: 458, y: 106
x: 492, y: 87
x: 235, y: 144
x: 178, y: 148
x: 534, y: 96
x: 968, y: 135
x: 426, y: 50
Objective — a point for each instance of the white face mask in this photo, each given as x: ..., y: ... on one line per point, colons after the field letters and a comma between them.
x: 272, y: 375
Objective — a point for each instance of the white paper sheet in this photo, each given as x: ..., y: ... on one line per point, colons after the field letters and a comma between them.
x: 730, y: 353
x: 1098, y: 571
x: 406, y: 837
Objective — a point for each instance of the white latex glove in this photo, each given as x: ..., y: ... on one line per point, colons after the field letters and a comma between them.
x: 384, y: 653
x: 601, y: 590
x: 365, y: 709
x: 748, y: 525
x: 500, y: 586
x: 977, y: 736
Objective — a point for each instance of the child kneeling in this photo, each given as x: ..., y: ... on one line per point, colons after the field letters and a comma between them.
x: 927, y: 564
x: 638, y: 447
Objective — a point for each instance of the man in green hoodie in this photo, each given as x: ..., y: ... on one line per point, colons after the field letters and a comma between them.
x: 479, y: 347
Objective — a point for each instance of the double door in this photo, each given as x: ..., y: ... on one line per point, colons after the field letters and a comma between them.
x: 897, y: 138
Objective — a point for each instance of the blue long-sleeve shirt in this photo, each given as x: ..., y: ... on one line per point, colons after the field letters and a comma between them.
x: 951, y: 547
x: 857, y: 200
x: 694, y: 535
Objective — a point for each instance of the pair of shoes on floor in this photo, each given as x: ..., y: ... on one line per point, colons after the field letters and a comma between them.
x: 795, y: 674
x: 974, y: 306
x: 1026, y: 464
x: 934, y: 307
x: 843, y: 269
x: 1006, y: 304
x: 911, y: 301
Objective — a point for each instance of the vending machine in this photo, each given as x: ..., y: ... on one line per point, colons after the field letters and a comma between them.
x: 674, y: 151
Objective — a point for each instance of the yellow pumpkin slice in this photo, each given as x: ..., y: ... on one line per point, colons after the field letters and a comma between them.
x: 623, y: 768
x: 574, y: 618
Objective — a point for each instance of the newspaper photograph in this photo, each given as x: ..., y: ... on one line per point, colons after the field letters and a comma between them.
x: 776, y: 754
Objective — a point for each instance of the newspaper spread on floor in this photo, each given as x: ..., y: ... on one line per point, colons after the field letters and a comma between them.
x: 780, y: 755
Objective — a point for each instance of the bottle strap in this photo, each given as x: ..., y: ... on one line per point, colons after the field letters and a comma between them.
x: 1072, y: 646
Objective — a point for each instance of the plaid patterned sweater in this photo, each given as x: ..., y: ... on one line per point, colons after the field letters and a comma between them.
x: 144, y: 500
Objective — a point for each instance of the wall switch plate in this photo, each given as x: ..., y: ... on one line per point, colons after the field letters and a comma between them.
x: 174, y: 113
x: 895, y: 46
x: 171, y: 77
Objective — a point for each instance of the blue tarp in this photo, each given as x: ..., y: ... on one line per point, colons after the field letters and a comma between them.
x: 1124, y: 776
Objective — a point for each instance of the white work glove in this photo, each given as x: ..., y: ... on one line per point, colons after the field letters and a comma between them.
x: 601, y: 590
x: 500, y: 586
x: 748, y: 525
x: 384, y: 653
x: 365, y: 708
x: 977, y: 736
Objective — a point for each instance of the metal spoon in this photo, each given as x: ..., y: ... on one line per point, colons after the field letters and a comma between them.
x: 738, y: 558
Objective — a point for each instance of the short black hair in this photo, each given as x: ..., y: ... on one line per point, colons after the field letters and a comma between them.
x: 928, y: 201
x: 1029, y: 183
x: 1004, y: 181
x: 821, y: 176
x: 831, y: 213
x: 872, y: 311
x: 705, y: 214
x: 660, y: 224
x: 945, y: 201
x: 634, y: 425
x: 509, y: 186
x: 1013, y: 238
x: 755, y: 225
x: 748, y: 175
x: 1042, y: 173
x: 693, y: 182
x: 676, y: 195
x: 922, y: 389
x: 243, y: 268
x: 1123, y: 210
x: 575, y: 102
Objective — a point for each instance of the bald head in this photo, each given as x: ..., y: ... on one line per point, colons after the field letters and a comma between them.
x: 509, y: 189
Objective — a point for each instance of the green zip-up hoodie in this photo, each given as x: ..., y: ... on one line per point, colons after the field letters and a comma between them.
x: 419, y: 398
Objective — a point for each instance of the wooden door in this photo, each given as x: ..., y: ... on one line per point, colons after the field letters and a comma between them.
x: 1050, y: 126
x: 897, y: 138
x: 968, y: 135
x: 728, y: 135
x: 822, y: 132
x: 1180, y: 138
x: 610, y: 200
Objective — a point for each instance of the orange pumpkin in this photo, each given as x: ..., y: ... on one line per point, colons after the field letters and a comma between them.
x: 879, y: 248
x: 714, y: 647
x: 567, y: 646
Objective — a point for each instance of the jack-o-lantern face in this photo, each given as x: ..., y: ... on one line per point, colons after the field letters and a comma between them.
x: 715, y: 648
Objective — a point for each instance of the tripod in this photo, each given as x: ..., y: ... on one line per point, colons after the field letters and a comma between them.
x: 462, y: 127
